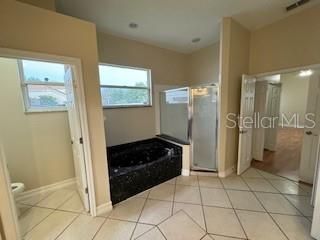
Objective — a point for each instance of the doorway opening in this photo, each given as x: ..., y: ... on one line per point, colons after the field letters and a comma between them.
x: 45, y: 137
x: 283, y: 135
x: 282, y: 144
x: 277, y: 134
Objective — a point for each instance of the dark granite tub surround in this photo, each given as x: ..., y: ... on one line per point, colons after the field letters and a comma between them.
x: 136, y: 167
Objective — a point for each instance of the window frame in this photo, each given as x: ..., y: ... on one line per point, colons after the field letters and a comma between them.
x: 25, y: 93
x: 149, y: 88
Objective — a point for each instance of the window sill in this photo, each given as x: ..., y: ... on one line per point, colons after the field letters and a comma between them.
x: 128, y: 106
x: 30, y: 111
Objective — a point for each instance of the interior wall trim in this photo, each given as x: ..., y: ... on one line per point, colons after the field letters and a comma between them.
x: 104, y: 208
x: 71, y: 182
x: 227, y: 172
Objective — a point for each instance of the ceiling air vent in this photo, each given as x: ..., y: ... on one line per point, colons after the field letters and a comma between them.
x: 297, y: 4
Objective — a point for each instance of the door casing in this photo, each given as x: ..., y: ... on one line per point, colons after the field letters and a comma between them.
x: 76, y: 63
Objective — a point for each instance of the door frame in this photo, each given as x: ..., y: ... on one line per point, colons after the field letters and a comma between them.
x: 81, y: 102
x: 191, y: 106
x: 259, y: 77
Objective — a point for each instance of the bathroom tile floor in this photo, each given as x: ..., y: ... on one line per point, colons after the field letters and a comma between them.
x: 256, y: 205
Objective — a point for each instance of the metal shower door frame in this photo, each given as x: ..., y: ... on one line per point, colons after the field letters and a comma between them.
x: 191, y: 122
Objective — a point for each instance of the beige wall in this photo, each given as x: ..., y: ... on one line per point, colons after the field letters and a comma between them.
x: 25, y: 27
x: 37, y: 145
x: 294, y: 95
x: 203, y: 65
x: 291, y: 42
x: 167, y: 68
x: 46, y: 4
x: 234, y: 62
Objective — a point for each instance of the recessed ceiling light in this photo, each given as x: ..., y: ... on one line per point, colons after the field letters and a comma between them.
x: 195, y: 40
x: 305, y: 73
x: 133, y: 25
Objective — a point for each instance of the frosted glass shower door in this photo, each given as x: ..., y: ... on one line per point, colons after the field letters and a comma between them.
x: 204, y: 127
x: 174, y: 114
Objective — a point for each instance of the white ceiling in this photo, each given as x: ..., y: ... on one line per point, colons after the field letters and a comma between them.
x: 172, y: 24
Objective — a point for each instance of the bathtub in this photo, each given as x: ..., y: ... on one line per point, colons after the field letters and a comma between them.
x: 138, y: 166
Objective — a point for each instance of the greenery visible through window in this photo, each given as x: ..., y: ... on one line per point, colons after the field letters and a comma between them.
x: 43, y: 85
x: 124, y: 86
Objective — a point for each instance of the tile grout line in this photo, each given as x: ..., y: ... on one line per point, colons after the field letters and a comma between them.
x: 201, y: 201
x: 284, y: 195
x: 98, y: 230
x: 38, y: 224
x: 234, y: 210
x: 144, y: 204
x: 268, y: 212
x: 68, y: 225
x: 161, y: 232
x: 174, y: 194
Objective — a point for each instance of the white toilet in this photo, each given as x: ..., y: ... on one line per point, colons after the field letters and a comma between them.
x: 17, y: 189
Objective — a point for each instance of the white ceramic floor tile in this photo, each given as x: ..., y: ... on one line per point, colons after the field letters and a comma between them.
x: 251, y: 173
x: 194, y: 211
x: 22, y: 208
x: 162, y: 192
x: 171, y: 181
x: 32, y: 217
x: 306, y: 188
x: 128, y: 210
x: 83, y: 228
x: 141, y: 229
x: 143, y: 194
x: 295, y: 227
x: 235, y: 183
x: 244, y: 200
x: 277, y: 203
x: 215, y: 197
x: 270, y: 175
x: 259, y: 226
x: 115, y: 230
x: 260, y: 185
x: 187, y: 194
x: 188, y: 180
x: 222, y: 221
x: 51, y: 227
x: 56, y: 199
x: 74, y: 204
x: 207, y: 237
x: 181, y: 227
x: 155, y: 211
x: 33, y: 200
x: 216, y: 237
x: 287, y: 187
x: 212, y: 182
x: 302, y: 203
x: 153, y: 234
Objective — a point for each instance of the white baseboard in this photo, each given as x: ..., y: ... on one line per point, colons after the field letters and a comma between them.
x: 227, y: 172
x: 185, y: 172
x: 48, y: 188
x: 104, y: 208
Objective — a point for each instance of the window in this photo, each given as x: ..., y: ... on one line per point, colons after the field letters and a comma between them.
x: 125, y: 86
x: 43, y: 85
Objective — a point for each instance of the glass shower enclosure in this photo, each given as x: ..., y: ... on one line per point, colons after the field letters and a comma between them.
x: 190, y: 116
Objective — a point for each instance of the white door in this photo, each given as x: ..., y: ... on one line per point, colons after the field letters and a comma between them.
x: 315, y: 229
x: 76, y: 137
x: 245, y: 128
x: 311, y: 133
x: 259, y: 131
x: 273, y: 108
